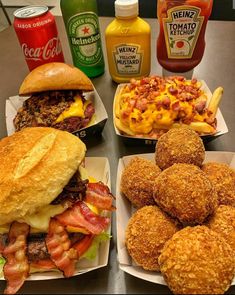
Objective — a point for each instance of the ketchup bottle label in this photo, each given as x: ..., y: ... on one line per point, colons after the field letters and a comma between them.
x: 181, y: 29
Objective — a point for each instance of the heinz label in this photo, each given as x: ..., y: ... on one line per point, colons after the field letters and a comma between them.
x: 83, y: 31
x: 181, y: 29
x: 128, y: 59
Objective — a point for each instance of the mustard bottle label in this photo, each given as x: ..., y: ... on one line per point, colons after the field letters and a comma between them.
x: 181, y: 29
x: 128, y: 59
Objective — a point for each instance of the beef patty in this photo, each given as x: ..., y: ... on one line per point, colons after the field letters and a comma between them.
x: 43, y: 109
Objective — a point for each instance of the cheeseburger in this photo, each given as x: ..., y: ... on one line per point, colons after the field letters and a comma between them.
x: 50, y: 212
x: 56, y: 99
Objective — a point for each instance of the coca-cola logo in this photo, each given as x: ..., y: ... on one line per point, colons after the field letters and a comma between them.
x: 51, y: 49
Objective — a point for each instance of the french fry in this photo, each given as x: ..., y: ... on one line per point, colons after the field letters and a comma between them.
x: 215, y: 100
x: 122, y: 127
x: 200, y: 127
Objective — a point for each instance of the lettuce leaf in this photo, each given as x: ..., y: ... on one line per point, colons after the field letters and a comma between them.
x: 2, y: 262
x: 91, y: 253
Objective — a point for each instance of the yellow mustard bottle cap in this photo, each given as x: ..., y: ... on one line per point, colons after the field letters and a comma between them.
x: 125, y: 8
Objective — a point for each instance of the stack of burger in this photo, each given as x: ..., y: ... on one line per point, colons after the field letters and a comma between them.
x: 56, y: 99
x: 50, y: 213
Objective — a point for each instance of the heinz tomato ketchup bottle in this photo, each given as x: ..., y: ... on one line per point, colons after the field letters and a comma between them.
x: 181, y: 43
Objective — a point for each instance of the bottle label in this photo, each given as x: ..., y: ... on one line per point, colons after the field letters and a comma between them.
x: 128, y: 59
x: 84, y: 35
x: 181, y: 29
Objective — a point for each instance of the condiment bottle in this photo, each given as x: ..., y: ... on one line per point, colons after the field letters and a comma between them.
x: 83, y: 31
x: 128, y: 43
x: 181, y: 43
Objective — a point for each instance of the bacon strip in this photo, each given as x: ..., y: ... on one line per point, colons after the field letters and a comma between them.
x: 99, y: 195
x: 16, y: 268
x: 59, y: 247
x: 81, y: 216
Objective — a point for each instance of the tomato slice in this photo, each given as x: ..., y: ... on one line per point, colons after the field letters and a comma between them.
x: 83, y: 245
x: 43, y: 264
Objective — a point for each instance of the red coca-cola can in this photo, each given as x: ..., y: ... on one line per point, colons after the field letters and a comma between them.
x: 36, y: 30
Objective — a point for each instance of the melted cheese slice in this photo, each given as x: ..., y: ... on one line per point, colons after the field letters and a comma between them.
x: 38, y: 221
x: 75, y: 110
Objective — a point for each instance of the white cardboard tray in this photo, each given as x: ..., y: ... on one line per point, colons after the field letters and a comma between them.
x: 125, y: 210
x: 99, y: 168
x: 221, y: 125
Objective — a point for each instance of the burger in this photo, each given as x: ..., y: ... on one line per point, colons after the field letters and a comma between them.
x: 56, y: 98
x: 51, y: 212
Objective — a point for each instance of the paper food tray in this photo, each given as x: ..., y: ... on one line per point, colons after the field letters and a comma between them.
x: 125, y: 210
x: 221, y: 125
x: 15, y: 102
x: 98, y: 167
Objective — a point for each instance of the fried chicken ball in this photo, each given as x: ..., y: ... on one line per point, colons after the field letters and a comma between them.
x: 184, y: 192
x: 147, y: 231
x: 179, y: 145
x: 137, y: 181
x: 223, y: 222
x: 223, y: 178
x: 197, y: 260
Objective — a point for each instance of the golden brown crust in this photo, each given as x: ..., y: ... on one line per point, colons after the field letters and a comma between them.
x: 35, y: 164
x: 55, y: 76
x: 147, y: 231
x: 179, y: 145
x: 223, y: 178
x: 197, y: 260
x: 137, y: 181
x: 184, y: 192
x: 223, y: 222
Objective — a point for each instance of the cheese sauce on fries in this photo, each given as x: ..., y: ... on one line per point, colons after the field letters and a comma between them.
x: 152, y: 105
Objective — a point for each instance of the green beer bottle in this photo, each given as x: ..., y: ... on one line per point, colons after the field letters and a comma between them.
x: 82, y: 26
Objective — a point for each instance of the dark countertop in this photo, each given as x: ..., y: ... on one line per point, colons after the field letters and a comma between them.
x: 217, y: 69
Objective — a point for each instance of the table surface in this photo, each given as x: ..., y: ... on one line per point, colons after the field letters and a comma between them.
x: 217, y: 69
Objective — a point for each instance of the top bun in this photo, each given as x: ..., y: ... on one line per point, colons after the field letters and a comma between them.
x: 55, y: 76
x: 35, y: 165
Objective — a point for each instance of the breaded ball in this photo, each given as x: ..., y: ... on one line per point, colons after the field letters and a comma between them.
x: 179, y: 145
x: 223, y: 222
x: 184, y: 192
x: 147, y: 231
x: 197, y: 260
x: 137, y: 181
x: 223, y: 178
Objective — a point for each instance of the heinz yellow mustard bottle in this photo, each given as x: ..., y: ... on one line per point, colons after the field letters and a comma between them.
x: 128, y: 45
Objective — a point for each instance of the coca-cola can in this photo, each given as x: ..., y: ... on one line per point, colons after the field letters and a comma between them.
x: 36, y: 30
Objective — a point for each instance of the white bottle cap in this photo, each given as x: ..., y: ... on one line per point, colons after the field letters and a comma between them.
x: 125, y: 8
